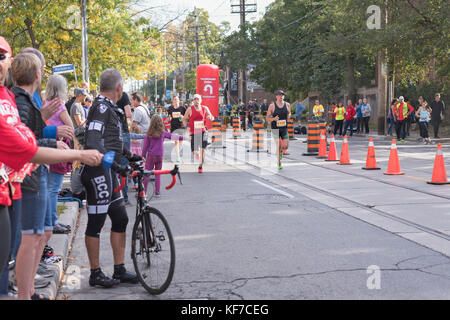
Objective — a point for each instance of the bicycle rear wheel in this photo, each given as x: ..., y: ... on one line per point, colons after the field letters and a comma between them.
x: 153, y: 251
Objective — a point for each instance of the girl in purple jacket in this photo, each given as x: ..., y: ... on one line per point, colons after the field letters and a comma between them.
x: 153, y: 149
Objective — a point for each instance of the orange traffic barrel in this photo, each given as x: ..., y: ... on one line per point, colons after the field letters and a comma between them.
x: 236, y: 127
x: 291, y: 130
x: 216, y: 134
x: 313, y: 139
x: 258, y: 136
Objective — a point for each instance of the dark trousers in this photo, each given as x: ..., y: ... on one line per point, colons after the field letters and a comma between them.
x: 347, y: 124
x: 337, y: 126
x: 5, y: 237
x: 250, y: 121
x: 243, y: 123
x: 423, y: 126
x: 366, y: 124
x: 408, y: 125
x: 400, y: 128
x: 436, y: 123
x: 359, y: 125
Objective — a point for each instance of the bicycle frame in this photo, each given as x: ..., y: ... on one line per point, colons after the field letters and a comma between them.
x: 139, y: 172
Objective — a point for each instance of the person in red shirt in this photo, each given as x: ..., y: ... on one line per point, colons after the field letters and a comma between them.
x: 197, y: 116
x: 350, y: 115
x: 333, y: 115
x: 401, y: 112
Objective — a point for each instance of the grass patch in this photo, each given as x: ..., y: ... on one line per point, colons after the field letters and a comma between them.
x: 60, y: 208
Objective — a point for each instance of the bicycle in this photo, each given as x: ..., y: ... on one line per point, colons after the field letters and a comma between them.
x: 151, y: 240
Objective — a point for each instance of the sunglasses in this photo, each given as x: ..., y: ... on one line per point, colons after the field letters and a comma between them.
x: 4, y: 56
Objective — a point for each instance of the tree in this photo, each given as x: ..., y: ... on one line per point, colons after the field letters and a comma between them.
x: 117, y: 38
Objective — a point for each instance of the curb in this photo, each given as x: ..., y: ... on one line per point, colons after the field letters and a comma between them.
x: 61, y: 244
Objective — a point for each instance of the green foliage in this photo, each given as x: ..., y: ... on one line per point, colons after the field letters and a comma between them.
x: 116, y: 38
x: 325, y: 45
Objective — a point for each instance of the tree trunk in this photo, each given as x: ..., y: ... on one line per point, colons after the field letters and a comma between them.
x: 29, y: 24
x: 350, y: 59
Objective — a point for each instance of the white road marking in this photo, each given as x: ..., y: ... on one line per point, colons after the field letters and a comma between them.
x: 274, y: 189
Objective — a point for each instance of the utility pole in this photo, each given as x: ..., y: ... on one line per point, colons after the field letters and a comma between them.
x: 383, y: 91
x: 165, y: 71
x: 184, y: 61
x: 84, y: 43
x: 197, y: 59
x: 156, y: 89
x: 244, y: 8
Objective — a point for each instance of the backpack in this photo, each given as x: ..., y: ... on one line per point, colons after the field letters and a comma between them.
x: 69, y: 104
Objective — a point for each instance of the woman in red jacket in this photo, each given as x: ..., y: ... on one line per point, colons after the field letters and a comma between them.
x: 350, y: 115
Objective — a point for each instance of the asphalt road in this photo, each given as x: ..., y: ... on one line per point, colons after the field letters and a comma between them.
x: 243, y: 231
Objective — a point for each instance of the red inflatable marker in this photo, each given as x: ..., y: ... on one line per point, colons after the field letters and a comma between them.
x: 208, y: 88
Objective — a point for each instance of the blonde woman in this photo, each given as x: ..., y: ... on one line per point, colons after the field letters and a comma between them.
x: 56, y: 90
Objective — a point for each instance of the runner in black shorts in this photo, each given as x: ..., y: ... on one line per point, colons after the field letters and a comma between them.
x: 104, y: 133
x: 278, y: 115
x: 176, y: 114
x: 197, y: 116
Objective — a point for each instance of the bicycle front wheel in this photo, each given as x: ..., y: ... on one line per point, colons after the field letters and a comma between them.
x: 153, y: 251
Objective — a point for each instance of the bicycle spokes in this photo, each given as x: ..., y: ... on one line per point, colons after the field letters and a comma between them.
x: 154, y: 259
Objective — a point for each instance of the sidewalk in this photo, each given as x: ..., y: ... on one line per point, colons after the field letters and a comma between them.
x: 61, y: 244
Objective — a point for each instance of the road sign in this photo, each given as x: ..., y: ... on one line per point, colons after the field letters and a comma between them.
x: 63, y: 68
x: 66, y: 68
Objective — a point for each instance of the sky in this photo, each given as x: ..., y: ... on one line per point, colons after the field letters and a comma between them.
x: 219, y: 10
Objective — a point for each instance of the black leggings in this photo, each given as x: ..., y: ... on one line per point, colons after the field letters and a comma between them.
x: 118, y: 215
x: 423, y: 126
x: 366, y: 124
x: 338, y: 126
x: 5, y: 237
x: 102, y: 200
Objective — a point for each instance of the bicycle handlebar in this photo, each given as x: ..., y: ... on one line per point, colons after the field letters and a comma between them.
x: 138, y: 166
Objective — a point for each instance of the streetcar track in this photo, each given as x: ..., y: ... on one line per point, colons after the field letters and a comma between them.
x: 356, y: 204
x: 370, y: 178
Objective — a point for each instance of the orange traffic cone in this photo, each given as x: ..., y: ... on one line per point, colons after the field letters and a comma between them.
x: 439, y: 173
x: 371, y: 161
x: 345, y: 157
x: 332, y: 153
x: 394, y: 163
x: 322, y: 146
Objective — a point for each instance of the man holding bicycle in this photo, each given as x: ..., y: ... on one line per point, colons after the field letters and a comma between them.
x: 104, y: 133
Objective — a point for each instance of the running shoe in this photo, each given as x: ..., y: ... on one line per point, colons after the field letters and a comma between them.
x: 52, y: 260
x: 128, y: 203
x: 47, y: 253
x: 196, y: 156
x: 280, y: 167
x: 200, y: 170
x: 58, y: 229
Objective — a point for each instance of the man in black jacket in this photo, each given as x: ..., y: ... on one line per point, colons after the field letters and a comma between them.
x: 104, y: 133
x: 437, y: 113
